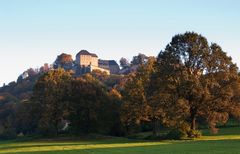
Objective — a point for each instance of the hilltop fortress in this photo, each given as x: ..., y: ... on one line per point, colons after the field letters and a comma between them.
x: 89, y: 62
x: 86, y: 62
x: 85, y: 58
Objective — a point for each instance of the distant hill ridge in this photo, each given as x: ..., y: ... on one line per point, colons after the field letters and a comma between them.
x: 84, y: 62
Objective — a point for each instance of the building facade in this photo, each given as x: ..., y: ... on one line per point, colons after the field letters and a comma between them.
x: 111, y: 65
x: 88, y: 62
x: 85, y: 58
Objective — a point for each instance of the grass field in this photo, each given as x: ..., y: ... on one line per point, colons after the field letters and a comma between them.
x: 227, y: 141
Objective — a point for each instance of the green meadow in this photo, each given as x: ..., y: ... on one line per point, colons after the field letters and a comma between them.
x: 227, y: 141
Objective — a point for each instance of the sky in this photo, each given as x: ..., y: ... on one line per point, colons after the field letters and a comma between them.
x: 34, y: 32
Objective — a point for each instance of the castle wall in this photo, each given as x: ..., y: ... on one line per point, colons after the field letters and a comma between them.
x: 114, y: 69
x: 94, y: 61
x: 100, y: 69
x: 109, y: 65
x: 84, y: 60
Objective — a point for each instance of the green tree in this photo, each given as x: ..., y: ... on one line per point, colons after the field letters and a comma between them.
x: 27, y: 116
x: 139, y: 59
x: 7, y: 116
x: 199, y: 75
x: 51, y: 92
x: 124, y: 63
x: 135, y: 107
x: 90, y: 109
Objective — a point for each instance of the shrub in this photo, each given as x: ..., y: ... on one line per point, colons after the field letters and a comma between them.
x: 153, y: 137
x: 176, y: 134
x: 194, y: 134
x: 184, y: 127
x: 8, y: 134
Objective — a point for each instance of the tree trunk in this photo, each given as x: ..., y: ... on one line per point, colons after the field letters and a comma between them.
x: 88, y: 122
x: 155, y: 127
x: 55, y: 123
x: 127, y: 126
x: 193, y: 122
x: 193, y: 112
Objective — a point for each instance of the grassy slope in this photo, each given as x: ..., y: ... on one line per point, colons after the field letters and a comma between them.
x: 228, y: 141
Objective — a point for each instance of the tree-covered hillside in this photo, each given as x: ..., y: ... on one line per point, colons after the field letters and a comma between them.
x: 191, y: 84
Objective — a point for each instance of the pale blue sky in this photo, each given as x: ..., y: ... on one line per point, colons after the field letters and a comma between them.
x: 33, y: 32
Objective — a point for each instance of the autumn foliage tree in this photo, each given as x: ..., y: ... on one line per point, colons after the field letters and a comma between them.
x: 191, y: 82
x: 135, y: 107
x: 50, y: 92
x: 199, y: 75
x: 64, y: 61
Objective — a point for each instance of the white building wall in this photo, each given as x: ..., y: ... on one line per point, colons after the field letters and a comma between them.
x: 85, y: 60
x: 100, y: 69
x: 94, y: 61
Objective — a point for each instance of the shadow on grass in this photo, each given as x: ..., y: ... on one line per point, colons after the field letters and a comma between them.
x: 43, y: 143
x: 208, y: 144
x: 54, y: 144
x: 223, y: 146
x: 76, y: 147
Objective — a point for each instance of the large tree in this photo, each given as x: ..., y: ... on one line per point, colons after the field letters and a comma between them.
x: 51, y: 92
x: 124, y: 63
x: 91, y: 110
x: 63, y: 61
x: 135, y: 107
x: 27, y: 115
x: 7, y: 115
x: 199, y: 74
x: 139, y: 59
